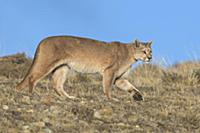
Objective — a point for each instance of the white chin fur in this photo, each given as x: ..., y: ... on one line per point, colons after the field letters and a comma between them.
x: 147, y: 61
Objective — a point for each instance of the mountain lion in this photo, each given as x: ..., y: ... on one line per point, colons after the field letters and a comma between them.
x: 113, y: 60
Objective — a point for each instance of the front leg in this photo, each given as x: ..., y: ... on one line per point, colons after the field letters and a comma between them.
x: 58, y: 80
x: 108, y: 79
x: 128, y: 87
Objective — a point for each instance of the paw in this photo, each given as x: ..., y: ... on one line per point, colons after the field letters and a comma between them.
x: 138, y: 96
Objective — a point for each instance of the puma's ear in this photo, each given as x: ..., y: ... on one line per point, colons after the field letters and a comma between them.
x: 149, y: 43
x: 137, y: 43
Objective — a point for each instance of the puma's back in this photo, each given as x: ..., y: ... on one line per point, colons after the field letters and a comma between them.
x: 84, y: 55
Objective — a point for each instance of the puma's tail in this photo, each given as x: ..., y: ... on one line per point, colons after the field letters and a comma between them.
x: 25, y: 82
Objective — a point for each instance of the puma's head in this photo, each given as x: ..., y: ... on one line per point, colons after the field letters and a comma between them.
x: 143, y: 51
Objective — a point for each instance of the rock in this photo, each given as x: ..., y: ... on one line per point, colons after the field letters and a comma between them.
x: 19, y: 109
x: 39, y: 124
x: 88, y: 131
x: 105, y: 114
x: 121, y: 124
x: 97, y: 115
x: 83, y: 123
x: 5, y: 107
x: 138, y: 128
x: 133, y: 118
x: 25, y: 127
x: 46, y: 119
x: 47, y: 130
x: 82, y: 102
x: 26, y: 131
x: 54, y: 110
x: 70, y: 126
x: 26, y: 100
x: 29, y: 111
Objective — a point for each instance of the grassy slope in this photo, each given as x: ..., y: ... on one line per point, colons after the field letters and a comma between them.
x: 172, y: 99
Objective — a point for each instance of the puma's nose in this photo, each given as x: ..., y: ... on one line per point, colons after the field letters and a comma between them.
x: 150, y: 57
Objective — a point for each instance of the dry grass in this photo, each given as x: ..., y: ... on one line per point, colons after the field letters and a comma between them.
x: 172, y: 99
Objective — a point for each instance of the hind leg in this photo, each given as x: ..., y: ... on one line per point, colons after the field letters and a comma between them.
x: 36, y: 76
x: 39, y: 70
x: 32, y: 78
x: 58, y: 80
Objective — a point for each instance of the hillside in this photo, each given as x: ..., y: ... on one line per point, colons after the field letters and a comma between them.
x: 172, y: 99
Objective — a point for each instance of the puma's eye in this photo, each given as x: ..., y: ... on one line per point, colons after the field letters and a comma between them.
x: 144, y: 52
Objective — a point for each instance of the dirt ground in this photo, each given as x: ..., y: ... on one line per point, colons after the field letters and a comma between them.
x: 171, y: 102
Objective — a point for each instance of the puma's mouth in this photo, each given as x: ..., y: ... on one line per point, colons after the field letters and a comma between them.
x: 147, y: 60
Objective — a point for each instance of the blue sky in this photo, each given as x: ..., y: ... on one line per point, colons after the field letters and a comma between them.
x: 173, y: 25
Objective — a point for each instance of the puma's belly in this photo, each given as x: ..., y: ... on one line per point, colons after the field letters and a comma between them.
x: 83, y: 67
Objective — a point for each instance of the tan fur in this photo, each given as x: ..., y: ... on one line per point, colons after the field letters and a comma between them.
x: 60, y: 54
